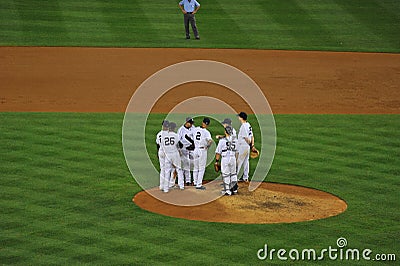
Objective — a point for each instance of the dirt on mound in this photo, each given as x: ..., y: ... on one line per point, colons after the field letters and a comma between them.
x: 269, y: 203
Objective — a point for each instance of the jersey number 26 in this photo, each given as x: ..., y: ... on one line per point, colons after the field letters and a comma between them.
x: 169, y: 141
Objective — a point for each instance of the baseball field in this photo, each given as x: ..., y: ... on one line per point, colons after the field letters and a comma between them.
x: 329, y: 69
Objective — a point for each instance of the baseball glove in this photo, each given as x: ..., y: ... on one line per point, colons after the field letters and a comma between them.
x: 254, y: 153
x: 217, y: 167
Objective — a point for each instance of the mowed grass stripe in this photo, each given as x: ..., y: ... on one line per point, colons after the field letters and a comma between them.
x: 71, y: 201
x: 262, y: 24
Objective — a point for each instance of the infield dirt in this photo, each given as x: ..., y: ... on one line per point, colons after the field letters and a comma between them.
x: 103, y: 79
x: 55, y: 79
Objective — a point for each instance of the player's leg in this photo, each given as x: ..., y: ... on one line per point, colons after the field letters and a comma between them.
x: 178, y: 166
x: 234, y: 179
x: 186, y: 23
x: 243, y: 154
x: 167, y: 173
x: 196, y: 165
x: 225, y: 177
x: 161, y: 159
x: 173, y: 178
x: 246, y: 167
x: 188, y: 178
x: 194, y: 26
x: 240, y: 159
x: 202, y: 167
x: 185, y: 165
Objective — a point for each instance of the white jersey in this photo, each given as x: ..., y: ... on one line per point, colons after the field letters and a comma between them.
x: 201, y: 137
x: 245, y: 131
x: 234, y: 132
x: 169, y: 141
x: 182, y: 132
x: 158, y: 137
x: 227, y: 147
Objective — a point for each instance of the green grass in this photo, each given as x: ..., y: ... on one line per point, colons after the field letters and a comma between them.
x: 341, y: 25
x: 65, y: 193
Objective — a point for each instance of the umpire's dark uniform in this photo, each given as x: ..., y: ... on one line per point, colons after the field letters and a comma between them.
x: 189, y: 8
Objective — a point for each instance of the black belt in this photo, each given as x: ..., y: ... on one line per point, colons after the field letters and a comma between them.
x: 189, y: 12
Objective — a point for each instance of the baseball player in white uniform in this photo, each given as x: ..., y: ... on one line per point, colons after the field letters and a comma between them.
x: 202, y: 141
x: 227, y: 153
x: 161, y: 153
x: 245, y: 142
x: 225, y: 123
x: 169, y: 145
x: 186, y: 143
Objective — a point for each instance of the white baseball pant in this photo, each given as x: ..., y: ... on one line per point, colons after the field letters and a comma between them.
x: 172, y: 162
x: 228, y: 171
x: 187, y: 158
x: 199, y: 166
x: 161, y: 159
x: 243, y: 160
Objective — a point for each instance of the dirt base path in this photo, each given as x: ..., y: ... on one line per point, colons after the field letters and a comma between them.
x: 269, y: 203
x: 104, y: 79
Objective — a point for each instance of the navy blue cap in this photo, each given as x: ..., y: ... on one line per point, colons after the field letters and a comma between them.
x: 206, y: 120
x: 189, y: 120
x: 227, y: 121
x: 172, y: 126
x: 165, y: 123
x: 243, y: 115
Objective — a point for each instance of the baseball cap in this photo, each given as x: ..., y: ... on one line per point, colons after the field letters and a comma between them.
x: 229, y: 130
x: 165, y: 123
x: 243, y: 115
x: 189, y: 120
x: 227, y: 121
x: 206, y: 120
x: 172, y: 126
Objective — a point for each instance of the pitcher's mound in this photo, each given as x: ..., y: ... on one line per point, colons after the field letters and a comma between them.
x: 269, y: 203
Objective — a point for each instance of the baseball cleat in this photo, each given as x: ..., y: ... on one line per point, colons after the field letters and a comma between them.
x: 201, y: 188
x: 188, y: 183
x: 241, y: 179
x: 182, y: 188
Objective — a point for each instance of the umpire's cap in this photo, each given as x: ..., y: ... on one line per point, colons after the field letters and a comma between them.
x: 229, y: 130
x: 172, y: 126
x: 165, y: 123
x: 227, y: 121
x: 206, y: 121
x: 189, y: 120
x: 243, y: 115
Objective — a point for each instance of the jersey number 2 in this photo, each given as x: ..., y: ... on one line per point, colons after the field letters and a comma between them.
x: 198, y: 136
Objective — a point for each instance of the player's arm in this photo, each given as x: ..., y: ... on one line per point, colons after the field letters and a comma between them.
x: 181, y: 7
x: 197, y: 7
x: 158, y: 137
x: 252, y: 142
x: 217, y: 164
x: 191, y: 147
x: 209, y: 143
x: 189, y: 139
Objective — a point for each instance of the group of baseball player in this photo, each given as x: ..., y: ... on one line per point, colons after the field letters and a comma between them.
x: 184, y: 152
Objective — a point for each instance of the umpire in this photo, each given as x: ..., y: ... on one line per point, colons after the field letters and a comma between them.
x: 189, y: 8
